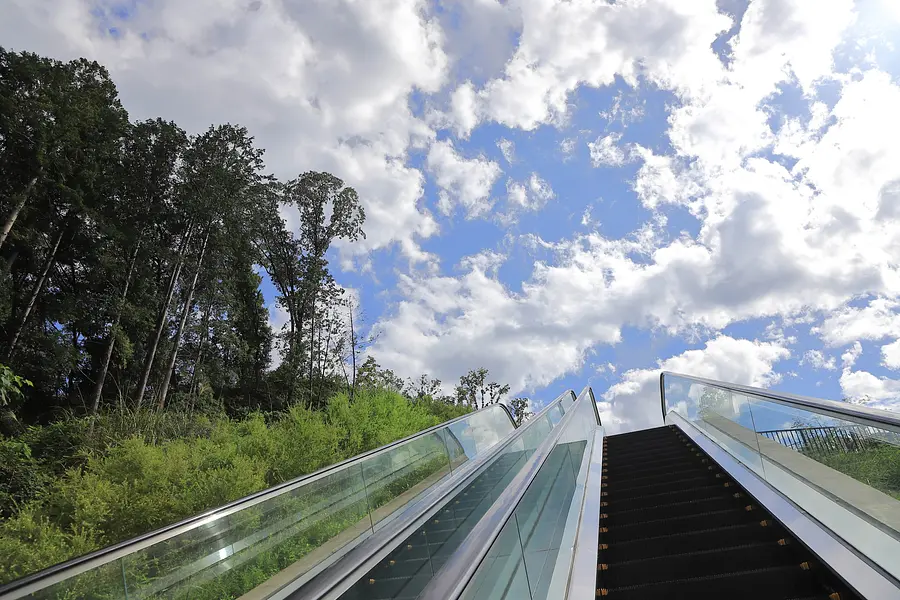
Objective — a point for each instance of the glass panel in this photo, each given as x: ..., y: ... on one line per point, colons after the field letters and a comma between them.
x: 844, y: 473
x: 724, y: 416
x: 522, y: 561
x: 235, y: 553
x: 398, y: 476
x: 406, y: 571
x: 502, y: 574
x: 103, y: 582
x: 480, y: 431
x: 290, y: 533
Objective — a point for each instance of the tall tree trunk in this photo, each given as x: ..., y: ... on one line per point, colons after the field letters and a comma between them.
x: 188, y: 303
x: 161, y: 319
x: 18, y: 205
x: 353, y: 352
x: 111, y: 342
x: 36, y: 291
x: 199, y: 353
x: 312, y: 343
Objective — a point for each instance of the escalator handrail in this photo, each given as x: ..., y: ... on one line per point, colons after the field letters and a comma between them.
x: 347, y: 569
x: 844, y: 409
x: 456, y: 574
x: 110, y: 553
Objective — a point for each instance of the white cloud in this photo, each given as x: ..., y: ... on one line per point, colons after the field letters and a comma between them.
x: 508, y: 149
x: 667, y: 41
x: 660, y: 180
x: 890, y: 355
x: 877, y: 320
x: 817, y: 360
x: 466, y: 182
x: 848, y: 358
x: 567, y: 146
x: 605, y: 151
x: 876, y: 392
x: 530, y: 196
x: 322, y: 86
x: 634, y: 402
x: 779, y: 37
x: 587, y: 218
x: 624, y: 113
x: 540, y: 188
x: 516, y: 194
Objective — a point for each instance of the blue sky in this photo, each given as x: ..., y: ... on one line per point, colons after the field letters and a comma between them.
x: 566, y: 193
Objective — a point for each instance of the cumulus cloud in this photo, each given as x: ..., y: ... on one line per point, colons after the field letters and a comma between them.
x: 666, y: 41
x: 890, y: 355
x: 463, y: 182
x: 876, y: 392
x: 880, y: 318
x: 521, y: 197
x: 605, y: 151
x: 817, y: 360
x: 322, y: 86
x: 634, y: 402
x: 848, y: 358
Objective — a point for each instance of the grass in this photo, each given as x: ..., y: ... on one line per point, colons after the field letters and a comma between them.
x: 877, y: 466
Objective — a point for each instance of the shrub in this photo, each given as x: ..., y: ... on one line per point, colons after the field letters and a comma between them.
x: 22, y: 477
x: 81, y: 484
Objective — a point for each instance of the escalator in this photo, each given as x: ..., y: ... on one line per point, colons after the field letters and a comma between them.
x: 407, y: 569
x: 744, y: 495
x: 674, y: 525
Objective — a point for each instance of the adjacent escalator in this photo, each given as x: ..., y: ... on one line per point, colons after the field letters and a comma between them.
x: 412, y: 564
x: 674, y: 525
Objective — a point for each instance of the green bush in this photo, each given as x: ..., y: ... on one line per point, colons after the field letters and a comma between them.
x: 22, y: 477
x: 81, y: 484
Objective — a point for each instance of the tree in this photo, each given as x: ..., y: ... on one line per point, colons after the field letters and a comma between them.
x: 475, y: 391
x: 371, y: 375
x: 519, y: 407
x: 147, y: 178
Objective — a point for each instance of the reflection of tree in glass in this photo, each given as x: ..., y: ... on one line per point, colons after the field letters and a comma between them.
x: 715, y: 401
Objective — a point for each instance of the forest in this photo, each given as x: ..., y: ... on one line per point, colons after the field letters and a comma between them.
x: 134, y: 331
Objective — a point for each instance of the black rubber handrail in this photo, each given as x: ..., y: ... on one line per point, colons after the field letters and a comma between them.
x: 102, y: 556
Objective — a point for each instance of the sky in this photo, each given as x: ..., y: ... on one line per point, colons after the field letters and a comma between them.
x: 566, y: 192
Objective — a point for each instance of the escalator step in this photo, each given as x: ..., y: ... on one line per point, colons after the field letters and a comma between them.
x: 669, y: 511
x: 706, y: 563
x: 712, y: 488
x: 674, y: 526
x: 691, y: 541
x: 779, y: 583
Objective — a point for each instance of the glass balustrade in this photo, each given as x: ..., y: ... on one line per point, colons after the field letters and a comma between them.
x: 279, y: 535
x: 843, y: 470
x: 532, y: 556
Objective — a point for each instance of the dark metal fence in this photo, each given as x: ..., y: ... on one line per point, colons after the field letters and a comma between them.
x: 849, y: 438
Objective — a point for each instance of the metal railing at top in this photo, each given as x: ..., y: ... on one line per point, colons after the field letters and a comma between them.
x: 851, y: 438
